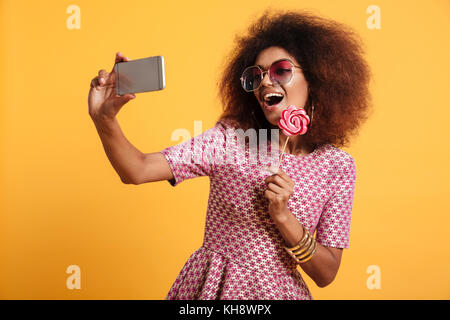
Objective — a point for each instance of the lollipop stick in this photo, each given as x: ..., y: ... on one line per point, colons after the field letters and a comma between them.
x: 282, y: 152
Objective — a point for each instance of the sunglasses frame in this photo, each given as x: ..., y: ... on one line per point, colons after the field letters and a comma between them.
x: 268, y: 72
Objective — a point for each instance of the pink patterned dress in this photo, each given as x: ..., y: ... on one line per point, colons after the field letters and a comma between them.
x: 242, y: 256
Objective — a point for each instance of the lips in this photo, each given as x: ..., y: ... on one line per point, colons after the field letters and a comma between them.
x: 274, y: 106
x: 269, y: 91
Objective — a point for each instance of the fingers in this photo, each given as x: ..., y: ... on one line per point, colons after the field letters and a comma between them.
x: 278, y: 180
x: 119, y: 58
x: 95, y: 83
x: 125, y: 98
x: 99, y: 81
x: 280, y: 190
x: 102, y: 72
x: 105, y: 78
x: 275, y: 188
x: 270, y: 194
x: 278, y: 197
x: 282, y: 175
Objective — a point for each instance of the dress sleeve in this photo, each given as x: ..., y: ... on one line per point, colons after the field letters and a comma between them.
x: 195, y: 157
x: 333, y: 228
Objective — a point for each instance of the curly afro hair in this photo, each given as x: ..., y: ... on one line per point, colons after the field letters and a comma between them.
x: 332, y: 58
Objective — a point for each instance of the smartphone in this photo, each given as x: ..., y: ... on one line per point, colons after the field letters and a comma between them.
x: 140, y: 75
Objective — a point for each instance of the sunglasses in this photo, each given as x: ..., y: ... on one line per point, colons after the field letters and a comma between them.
x: 281, y: 71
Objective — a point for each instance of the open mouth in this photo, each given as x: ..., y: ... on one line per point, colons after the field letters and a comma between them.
x: 273, y: 99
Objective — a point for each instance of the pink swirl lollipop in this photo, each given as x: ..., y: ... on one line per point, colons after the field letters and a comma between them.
x: 293, y: 121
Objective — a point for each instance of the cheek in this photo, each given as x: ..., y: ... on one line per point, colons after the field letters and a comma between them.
x: 297, y: 89
x: 256, y: 94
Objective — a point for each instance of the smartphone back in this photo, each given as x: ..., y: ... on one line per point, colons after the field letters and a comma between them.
x: 140, y: 75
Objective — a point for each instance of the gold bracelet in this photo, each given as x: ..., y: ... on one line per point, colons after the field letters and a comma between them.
x: 308, y: 251
x: 311, y: 254
x: 304, y: 250
x: 305, y: 247
x: 302, y: 241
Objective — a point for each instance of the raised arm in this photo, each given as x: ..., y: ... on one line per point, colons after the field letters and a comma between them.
x: 132, y: 166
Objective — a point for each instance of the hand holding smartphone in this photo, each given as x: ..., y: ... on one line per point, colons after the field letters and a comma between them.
x: 110, y: 91
x: 140, y: 75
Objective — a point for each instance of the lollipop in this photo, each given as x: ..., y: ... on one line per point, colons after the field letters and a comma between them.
x: 293, y: 121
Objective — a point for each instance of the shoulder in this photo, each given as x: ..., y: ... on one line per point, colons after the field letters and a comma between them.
x: 219, y: 129
x: 226, y: 127
x: 337, y: 158
x: 224, y: 124
x: 216, y: 134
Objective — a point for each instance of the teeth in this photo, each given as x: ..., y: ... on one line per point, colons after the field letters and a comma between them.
x: 267, y: 96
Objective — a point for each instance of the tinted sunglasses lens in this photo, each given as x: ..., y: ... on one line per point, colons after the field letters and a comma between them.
x: 251, y: 78
x: 281, y: 71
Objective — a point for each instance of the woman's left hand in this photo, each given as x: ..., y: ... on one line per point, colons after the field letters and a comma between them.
x: 279, y: 189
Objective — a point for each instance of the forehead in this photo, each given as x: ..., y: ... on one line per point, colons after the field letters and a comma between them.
x: 271, y: 54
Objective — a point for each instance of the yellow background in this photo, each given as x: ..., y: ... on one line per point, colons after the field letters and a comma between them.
x: 63, y: 204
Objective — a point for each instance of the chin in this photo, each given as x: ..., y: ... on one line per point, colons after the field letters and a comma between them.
x: 273, y: 118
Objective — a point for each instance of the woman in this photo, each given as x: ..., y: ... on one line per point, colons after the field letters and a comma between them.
x: 260, y: 227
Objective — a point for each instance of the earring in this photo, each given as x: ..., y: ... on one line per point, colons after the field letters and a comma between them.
x: 312, y: 107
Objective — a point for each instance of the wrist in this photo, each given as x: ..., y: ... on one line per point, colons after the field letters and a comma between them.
x: 101, y: 118
x: 104, y: 123
x: 282, y: 217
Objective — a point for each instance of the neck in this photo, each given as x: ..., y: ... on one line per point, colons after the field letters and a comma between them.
x: 292, y: 142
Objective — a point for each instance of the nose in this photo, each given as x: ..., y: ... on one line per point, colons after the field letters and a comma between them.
x: 266, y: 79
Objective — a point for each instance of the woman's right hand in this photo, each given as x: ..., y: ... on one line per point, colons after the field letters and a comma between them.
x: 103, y: 100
